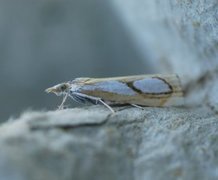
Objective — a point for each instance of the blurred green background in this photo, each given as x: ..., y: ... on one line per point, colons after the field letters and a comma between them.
x: 46, y: 42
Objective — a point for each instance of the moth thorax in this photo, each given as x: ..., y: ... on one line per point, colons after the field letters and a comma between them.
x: 74, y: 87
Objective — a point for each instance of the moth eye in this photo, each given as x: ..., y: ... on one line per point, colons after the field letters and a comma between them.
x: 63, y: 87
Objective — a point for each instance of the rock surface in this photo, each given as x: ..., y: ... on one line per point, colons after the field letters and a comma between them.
x: 180, y: 37
x: 92, y: 143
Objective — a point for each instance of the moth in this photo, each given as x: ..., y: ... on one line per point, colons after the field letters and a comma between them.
x: 139, y: 90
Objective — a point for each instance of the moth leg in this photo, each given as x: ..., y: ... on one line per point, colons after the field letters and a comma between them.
x: 62, y: 103
x: 95, y: 99
x: 105, y: 104
x: 137, y: 106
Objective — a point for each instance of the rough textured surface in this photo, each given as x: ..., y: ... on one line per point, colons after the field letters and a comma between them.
x: 91, y: 143
x: 180, y: 37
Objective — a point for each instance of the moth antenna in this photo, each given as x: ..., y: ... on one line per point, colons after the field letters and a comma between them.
x: 106, y: 105
x: 63, y: 101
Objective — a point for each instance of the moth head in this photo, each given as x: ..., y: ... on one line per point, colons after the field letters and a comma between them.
x: 59, y: 89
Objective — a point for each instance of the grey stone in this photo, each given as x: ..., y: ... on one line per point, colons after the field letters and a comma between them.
x: 92, y: 143
x: 179, y: 37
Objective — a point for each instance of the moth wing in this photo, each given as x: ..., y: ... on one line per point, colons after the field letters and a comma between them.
x: 147, y: 90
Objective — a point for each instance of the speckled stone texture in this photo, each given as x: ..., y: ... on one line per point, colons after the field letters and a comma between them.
x: 178, y: 36
x: 92, y: 143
